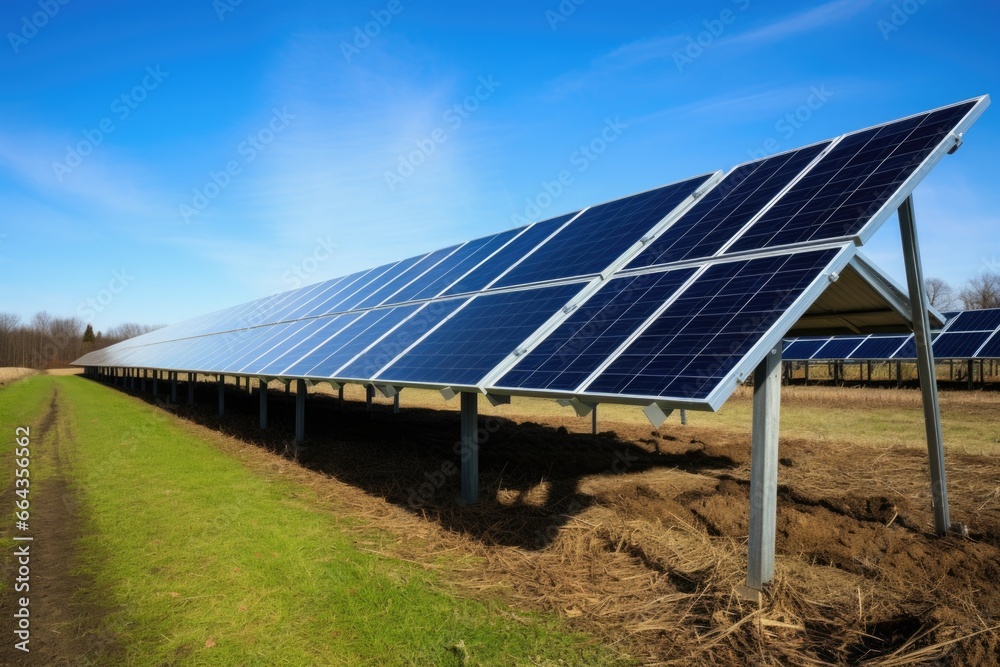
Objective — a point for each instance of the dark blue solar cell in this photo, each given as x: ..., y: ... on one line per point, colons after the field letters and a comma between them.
x: 207, y: 347
x: 374, y: 285
x: 959, y: 345
x: 444, y: 274
x: 976, y: 320
x: 803, y: 349
x: 597, y: 328
x: 853, y: 181
x: 370, y: 362
x: 479, y: 336
x: 486, y: 272
x: 289, y: 352
x: 246, y: 344
x: 408, y: 276
x: 600, y: 235
x: 298, y: 302
x: 908, y: 350
x: 878, y: 348
x: 689, y: 349
x: 352, y: 340
x: 347, y: 286
x: 838, y: 348
x: 303, y: 331
x: 726, y: 208
x: 992, y: 348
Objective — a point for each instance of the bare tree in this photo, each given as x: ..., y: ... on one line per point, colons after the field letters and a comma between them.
x: 982, y: 291
x: 940, y: 294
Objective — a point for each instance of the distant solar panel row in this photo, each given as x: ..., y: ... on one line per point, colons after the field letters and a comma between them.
x: 660, y: 295
x: 970, y: 334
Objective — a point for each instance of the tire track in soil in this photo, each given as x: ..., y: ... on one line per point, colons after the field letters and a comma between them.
x: 65, y: 628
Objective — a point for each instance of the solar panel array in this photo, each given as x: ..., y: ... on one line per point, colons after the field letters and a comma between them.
x: 970, y: 334
x: 669, y: 295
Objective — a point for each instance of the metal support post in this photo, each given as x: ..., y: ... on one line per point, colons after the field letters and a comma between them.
x: 173, y: 387
x: 222, y: 395
x: 593, y: 421
x: 369, y: 395
x: 192, y: 381
x: 263, y: 404
x: 925, y: 364
x: 764, y: 470
x: 300, y: 411
x: 470, y: 449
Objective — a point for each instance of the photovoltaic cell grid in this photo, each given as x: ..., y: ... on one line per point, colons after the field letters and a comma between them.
x: 654, y: 330
x: 970, y: 334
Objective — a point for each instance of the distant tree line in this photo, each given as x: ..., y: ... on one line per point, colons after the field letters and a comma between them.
x: 979, y: 292
x: 53, y: 342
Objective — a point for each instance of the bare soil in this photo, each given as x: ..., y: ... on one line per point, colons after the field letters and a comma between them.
x: 639, y: 536
x: 64, y: 624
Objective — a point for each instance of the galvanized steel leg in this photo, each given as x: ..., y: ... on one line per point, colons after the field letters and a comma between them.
x: 593, y: 421
x: 192, y: 379
x: 263, y: 404
x: 764, y: 470
x: 300, y: 411
x: 173, y: 387
x: 925, y: 364
x: 470, y: 449
x: 222, y: 395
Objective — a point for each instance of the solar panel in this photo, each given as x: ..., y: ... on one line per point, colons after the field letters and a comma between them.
x: 526, y: 241
x: 438, y: 278
x: 859, y: 175
x: 702, y: 335
x: 463, y: 349
x: 991, y: 350
x: 959, y: 345
x: 639, y: 299
x: 976, y: 320
x: 803, y: 349
x: 599, y: 234
x: 839, y: 347
x: 703, y: 230
x: 575, y: 350
x: 876, y: 348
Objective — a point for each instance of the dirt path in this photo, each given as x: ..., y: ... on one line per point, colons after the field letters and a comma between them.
x: 64, y: 628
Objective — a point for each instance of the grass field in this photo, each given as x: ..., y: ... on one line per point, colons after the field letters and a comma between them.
x: 200, y: 542
x: 189, y: 557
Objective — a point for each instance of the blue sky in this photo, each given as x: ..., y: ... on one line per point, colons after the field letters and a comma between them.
x: 161, y: 160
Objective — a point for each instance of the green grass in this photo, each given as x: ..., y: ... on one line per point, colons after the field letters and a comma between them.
x: 189, y: 546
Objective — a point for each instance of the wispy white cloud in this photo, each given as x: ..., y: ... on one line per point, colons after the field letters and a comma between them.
x: 637, y: 53
x: 824, y: 16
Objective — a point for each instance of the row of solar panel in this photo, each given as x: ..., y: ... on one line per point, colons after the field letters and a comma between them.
x: 971, y: 334
x: 618, y: 341
x: 522, y: 310
x: 834, y: 199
